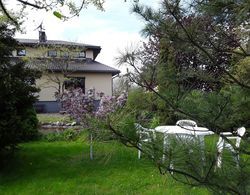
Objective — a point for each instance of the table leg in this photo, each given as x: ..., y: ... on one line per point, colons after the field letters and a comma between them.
x: 202, y: 149
x: 139, y: 151
x: 220, y: 146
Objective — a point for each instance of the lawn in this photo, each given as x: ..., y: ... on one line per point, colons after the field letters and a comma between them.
x: 65, y: 168
x: 48, y: 118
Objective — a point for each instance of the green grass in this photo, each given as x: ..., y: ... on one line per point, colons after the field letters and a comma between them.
x: 49, y: 118
x: 65, y: 168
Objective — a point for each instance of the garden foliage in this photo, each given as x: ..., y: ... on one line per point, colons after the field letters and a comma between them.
x: 17, y: 117
x: 194, y: 66
x: 81, y: 106
x: 66, y: 135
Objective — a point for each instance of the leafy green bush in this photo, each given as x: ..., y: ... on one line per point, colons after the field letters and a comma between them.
x: 29, y: 125
x: 143, y: 110
x: 155, y: 122
x: 66, y: 135
x: 51, y: 137
x: 70, y: 134
x: 226, y: 108
x: 151, y: 111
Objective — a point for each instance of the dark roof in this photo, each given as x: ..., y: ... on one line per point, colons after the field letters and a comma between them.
x: 92, y: 66
x: 77, y: 65
x: 55, y: 42
x: 35, y: 42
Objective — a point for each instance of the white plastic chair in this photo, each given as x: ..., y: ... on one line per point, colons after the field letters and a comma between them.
x: 181, y: 138
x: 222, y: 143
x: 145, y: 136
x: 186, y: 122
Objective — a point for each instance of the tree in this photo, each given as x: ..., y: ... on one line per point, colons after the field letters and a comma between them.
x: 81, y: 107
x: 196, y: 57
x: 71, y: 7
x: 62, y: 9
x: 201, y: 48
x: 17, y: 85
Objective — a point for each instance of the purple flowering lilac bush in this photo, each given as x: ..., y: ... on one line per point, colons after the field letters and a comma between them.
x: 109, y: 104
x: 78, y: 105
x: 81, y: 106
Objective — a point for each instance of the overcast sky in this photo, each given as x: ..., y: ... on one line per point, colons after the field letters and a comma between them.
x: 113, y: 30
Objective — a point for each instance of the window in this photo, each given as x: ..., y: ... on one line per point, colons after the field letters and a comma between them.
x: 82, y: 54
x: 52, y: 53
x: 79, y: 54
x: 64, y: 54
x: 21, y: 52
x: 75, y: 82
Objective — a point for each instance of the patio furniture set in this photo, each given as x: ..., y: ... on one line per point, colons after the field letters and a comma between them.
x: 189, y: 131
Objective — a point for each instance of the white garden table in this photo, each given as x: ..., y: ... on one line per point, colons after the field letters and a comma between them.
x: 197, y: 132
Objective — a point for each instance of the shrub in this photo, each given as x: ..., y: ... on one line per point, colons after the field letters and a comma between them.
x: 66, y: 135
x: 70, y: 135
x: 29, y: 125
x: 51, y: 137
x: 17, y: 89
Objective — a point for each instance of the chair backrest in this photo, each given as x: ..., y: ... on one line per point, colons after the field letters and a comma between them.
x: 144, y: 133
x: 138, y: 127
x: 241, y: 131
x: 186, y: 122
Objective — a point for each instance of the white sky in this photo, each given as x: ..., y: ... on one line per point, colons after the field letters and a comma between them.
x: 113, y: 30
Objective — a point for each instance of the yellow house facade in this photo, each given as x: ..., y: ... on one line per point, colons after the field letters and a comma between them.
x: 65, y: 64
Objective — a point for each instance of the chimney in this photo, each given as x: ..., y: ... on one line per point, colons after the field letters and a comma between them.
x: 42, y: 36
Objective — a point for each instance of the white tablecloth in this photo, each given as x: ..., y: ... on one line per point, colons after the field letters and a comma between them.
x: 197, y: 131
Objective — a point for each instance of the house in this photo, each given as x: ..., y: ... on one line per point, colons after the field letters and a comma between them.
x: 64, y: 64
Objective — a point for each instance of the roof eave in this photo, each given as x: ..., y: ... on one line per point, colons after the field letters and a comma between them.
x: 47, y: 43
x: 88, y: 71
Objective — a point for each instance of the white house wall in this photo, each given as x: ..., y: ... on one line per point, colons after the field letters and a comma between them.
x: 89, y: 54
x: 48, y: 86
x: 101, y: 82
